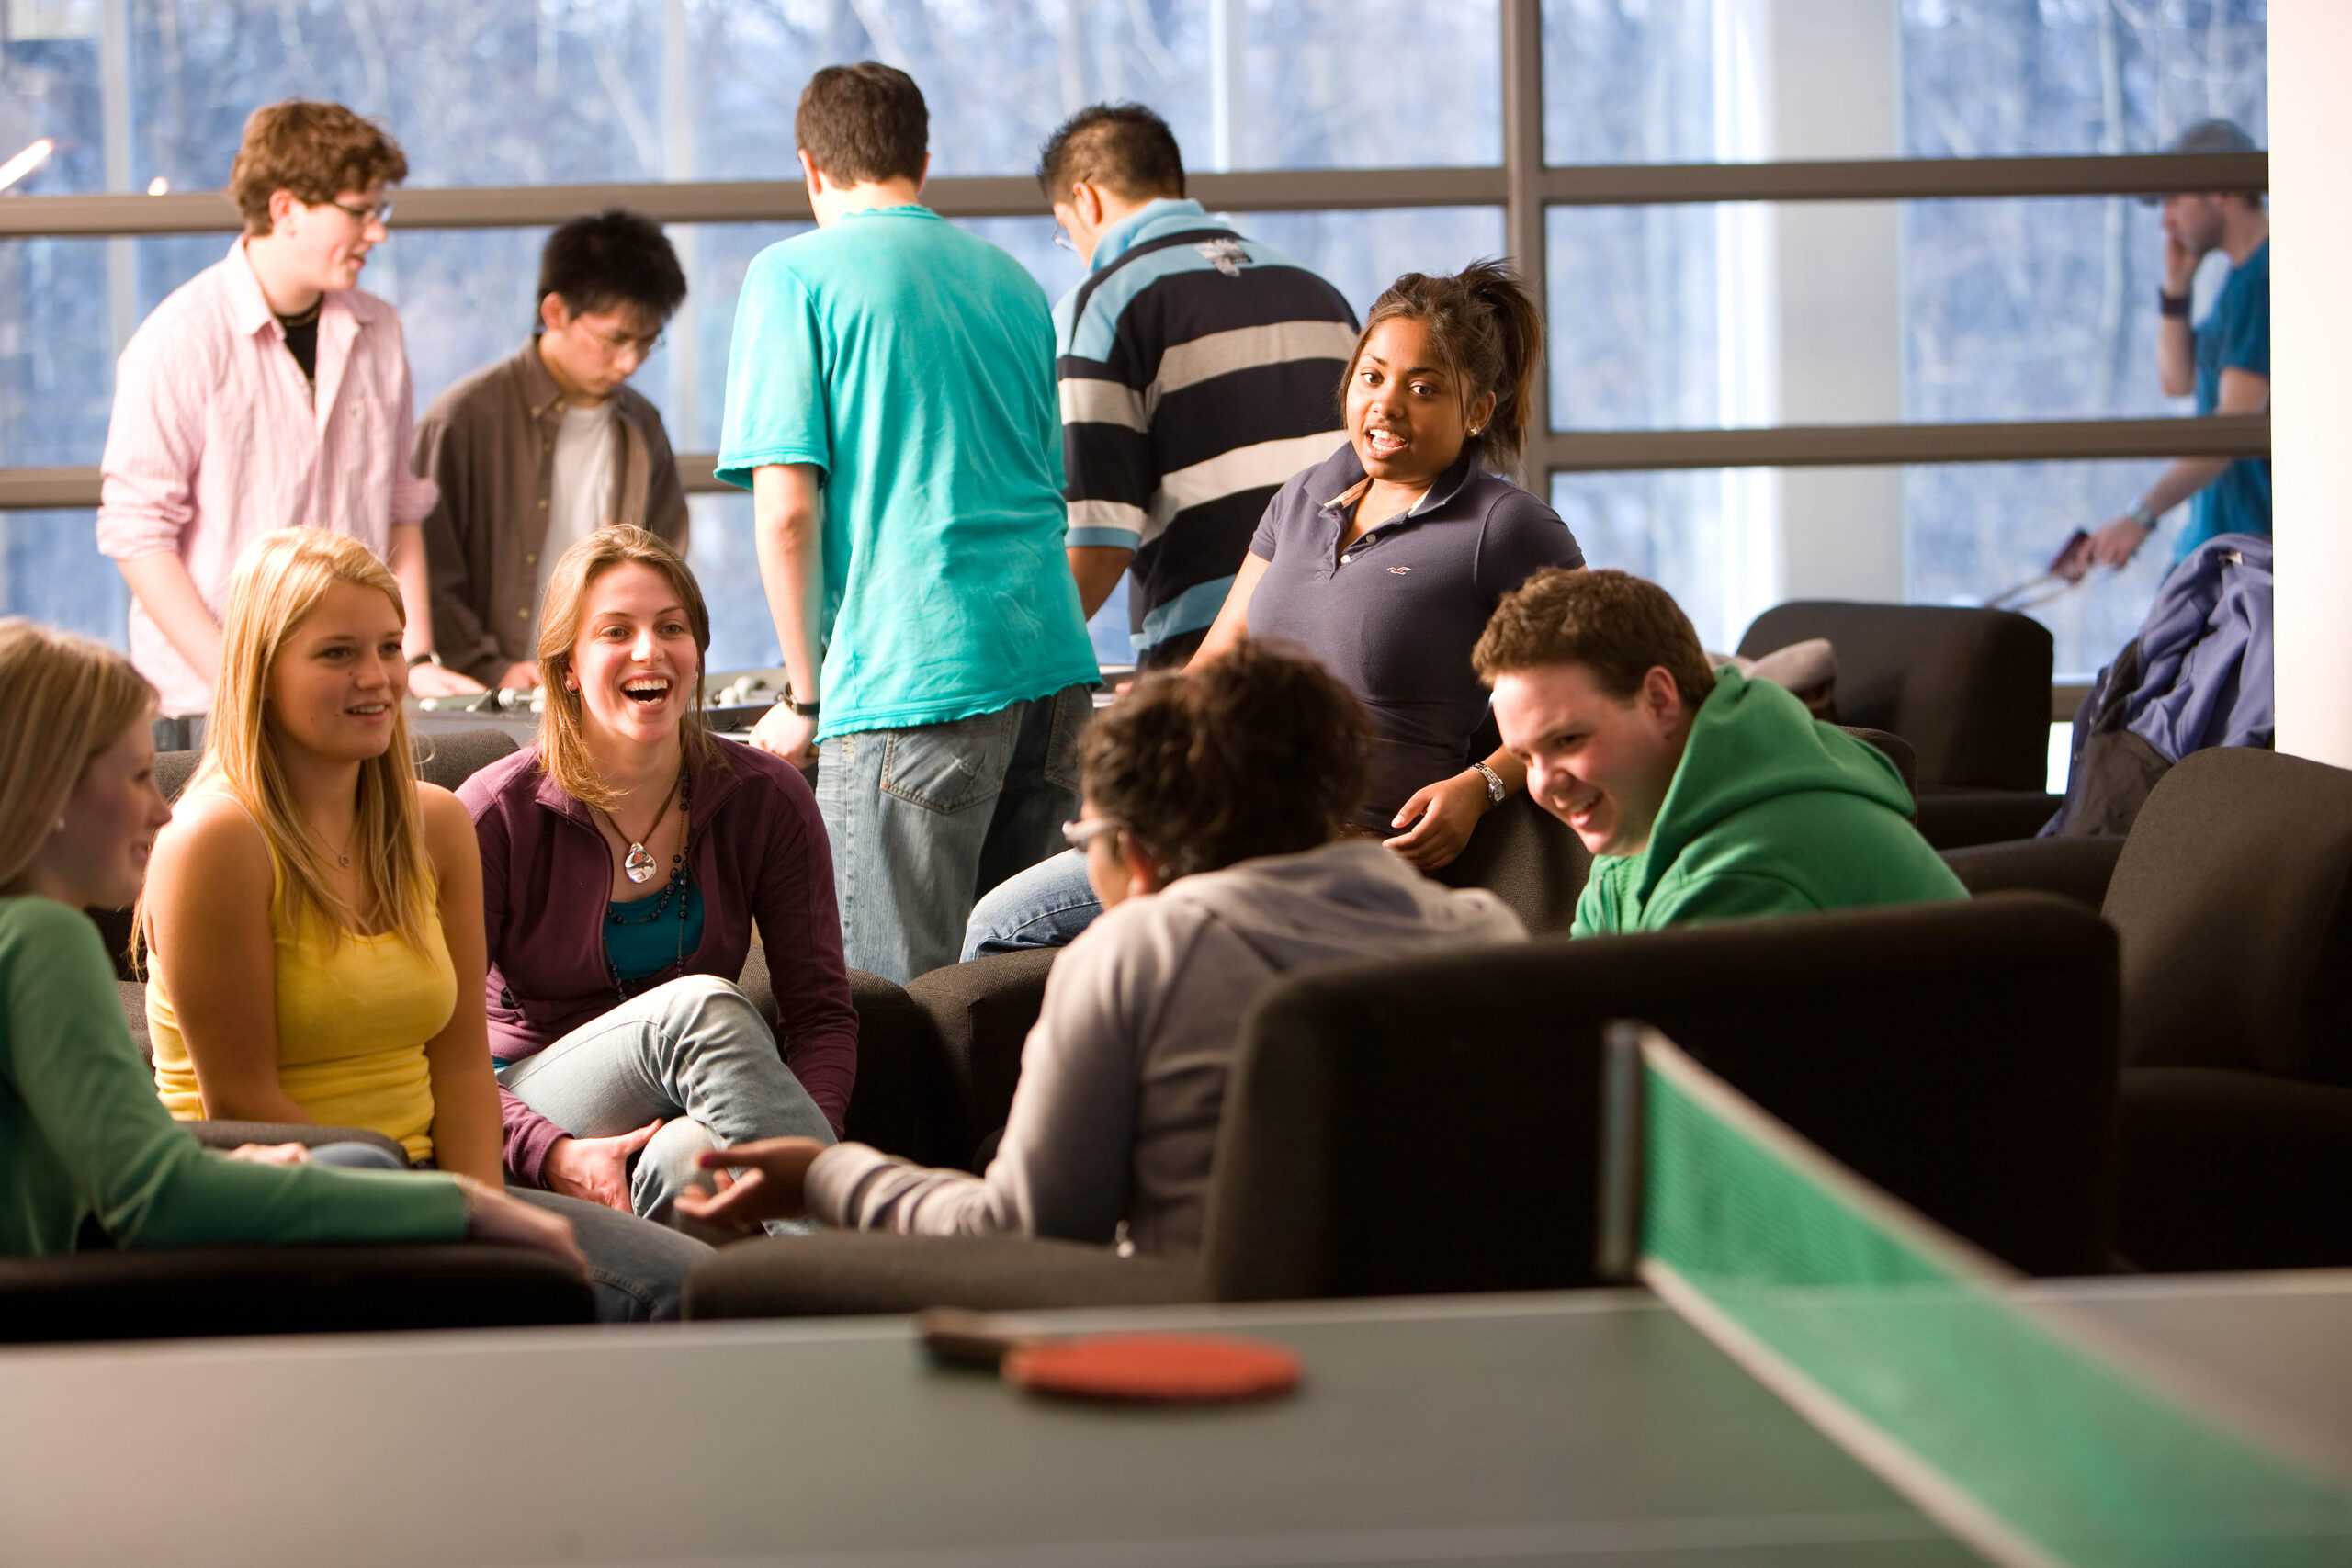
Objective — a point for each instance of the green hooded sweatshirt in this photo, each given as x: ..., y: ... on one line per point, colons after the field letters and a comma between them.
x: 1771, y: 812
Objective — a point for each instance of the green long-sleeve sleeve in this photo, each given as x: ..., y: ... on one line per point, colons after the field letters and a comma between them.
x: 82, y: 1131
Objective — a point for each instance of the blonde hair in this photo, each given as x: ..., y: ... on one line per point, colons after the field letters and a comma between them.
x: 563, y: 741
x: 277, y: 586
x: 69, y: 701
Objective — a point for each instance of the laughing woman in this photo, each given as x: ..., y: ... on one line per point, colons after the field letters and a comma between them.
x: 624, y: 860
x: 81, y: 1133
x: 314, y: 913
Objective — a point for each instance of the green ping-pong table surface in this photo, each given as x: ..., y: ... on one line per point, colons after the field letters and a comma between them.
x: 1594, y: 1427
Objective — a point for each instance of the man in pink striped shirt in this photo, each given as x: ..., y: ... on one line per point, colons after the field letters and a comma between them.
x: 266, y: 392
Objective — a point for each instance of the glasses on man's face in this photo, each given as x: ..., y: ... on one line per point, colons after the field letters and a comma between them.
x: 614, y: 344
x: 1062, y: 238
x: 1080, y: 836
x: 382, y: 212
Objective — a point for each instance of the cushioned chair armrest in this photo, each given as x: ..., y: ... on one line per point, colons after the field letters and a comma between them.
x: 840, y: 1273
x: 450, y: 757
x: 982, y: 1012
x: 906, y: 1100
x: 2221, y: 1170
x: 1953, y: 819
x: 224, y: 1134
x: 170, y: 1293
x: 2072, y: 868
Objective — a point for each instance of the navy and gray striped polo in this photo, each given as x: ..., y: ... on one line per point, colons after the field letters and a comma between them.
x: 1199, y: 370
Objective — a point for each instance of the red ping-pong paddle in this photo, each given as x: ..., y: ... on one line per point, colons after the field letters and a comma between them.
x: 1171, y: 1368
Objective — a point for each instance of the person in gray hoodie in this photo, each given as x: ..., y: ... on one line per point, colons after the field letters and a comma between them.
x: 1214, y: 826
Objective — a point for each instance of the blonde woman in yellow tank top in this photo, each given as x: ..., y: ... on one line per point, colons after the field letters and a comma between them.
x: 314, y: 914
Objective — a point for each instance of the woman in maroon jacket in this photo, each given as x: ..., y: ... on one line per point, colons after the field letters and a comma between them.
x: 624, y: 859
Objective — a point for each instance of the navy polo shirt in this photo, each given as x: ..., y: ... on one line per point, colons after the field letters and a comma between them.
x: 1395, y: 618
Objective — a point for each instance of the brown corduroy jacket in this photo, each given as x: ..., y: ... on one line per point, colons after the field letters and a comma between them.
x: 488, y: 443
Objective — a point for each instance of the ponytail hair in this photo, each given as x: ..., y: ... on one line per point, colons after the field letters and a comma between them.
x: 1486, y: 328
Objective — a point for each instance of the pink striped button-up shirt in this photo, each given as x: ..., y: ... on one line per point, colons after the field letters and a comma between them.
x: 217, y: 439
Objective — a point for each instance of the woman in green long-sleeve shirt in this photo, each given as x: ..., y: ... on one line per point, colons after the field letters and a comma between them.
x: 81, y: 1130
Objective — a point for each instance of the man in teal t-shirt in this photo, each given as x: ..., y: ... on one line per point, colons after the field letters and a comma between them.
x: 1702, y: 795
x: 2224, y: 361
x: 891, y: 407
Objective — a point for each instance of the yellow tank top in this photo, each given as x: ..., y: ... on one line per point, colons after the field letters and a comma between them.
x: 352, y: 1018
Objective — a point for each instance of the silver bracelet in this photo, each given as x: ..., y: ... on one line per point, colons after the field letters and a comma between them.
x: 1496, y: 793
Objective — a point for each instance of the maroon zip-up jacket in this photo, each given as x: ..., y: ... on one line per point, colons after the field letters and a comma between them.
x: 756, y: 848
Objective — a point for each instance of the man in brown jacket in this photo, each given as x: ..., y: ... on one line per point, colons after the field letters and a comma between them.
x: 543, y: 448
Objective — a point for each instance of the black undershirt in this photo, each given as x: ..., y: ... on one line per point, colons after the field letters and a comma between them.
x: 302, y: 340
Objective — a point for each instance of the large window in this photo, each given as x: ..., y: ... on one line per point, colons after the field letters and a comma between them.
x: 1666, y: 314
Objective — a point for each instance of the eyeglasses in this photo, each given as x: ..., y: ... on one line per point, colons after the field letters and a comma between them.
x: 382, y: 212
x: 618, y: 344
x: 1064, y: 241
x: 1080, y: 836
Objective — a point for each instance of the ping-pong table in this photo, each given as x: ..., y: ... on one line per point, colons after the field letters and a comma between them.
x: 1589, y: 1428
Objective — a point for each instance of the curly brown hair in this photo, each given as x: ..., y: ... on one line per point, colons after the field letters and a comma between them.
x: 1488, y: 332
x: 317, y: 151
x: 1258, y: 753
x: 1618, y: 626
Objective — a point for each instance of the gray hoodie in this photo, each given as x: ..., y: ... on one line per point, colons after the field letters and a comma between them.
x: 1122, y: 1079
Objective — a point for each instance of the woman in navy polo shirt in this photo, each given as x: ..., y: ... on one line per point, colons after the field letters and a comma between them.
x: 1384, y: 563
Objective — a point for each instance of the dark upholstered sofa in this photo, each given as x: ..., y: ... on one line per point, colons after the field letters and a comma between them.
x: 904, y: 1103
x: 1969, y: 689
x: 1432, y: 1125
x: 2233, y: 899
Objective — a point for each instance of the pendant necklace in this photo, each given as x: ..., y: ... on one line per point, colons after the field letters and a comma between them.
x: 637, y: 865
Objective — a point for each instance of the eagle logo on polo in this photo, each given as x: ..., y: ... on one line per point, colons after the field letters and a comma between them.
x: 1398, y: 571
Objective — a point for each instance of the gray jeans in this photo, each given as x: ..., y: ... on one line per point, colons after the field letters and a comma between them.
x: 636, y: 1271
x: 924, y: 820
x: 694, y: 1053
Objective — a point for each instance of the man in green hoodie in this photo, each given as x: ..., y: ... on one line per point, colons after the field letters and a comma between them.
x: 1703, y: 795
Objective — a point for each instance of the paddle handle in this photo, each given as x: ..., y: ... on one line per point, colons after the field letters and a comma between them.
x: 967, y: 1339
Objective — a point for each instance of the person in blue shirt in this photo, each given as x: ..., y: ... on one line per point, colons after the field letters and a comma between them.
x: 891, y: 407
x: 2224, y: 360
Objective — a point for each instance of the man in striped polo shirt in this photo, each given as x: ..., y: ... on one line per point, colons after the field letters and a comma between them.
x: 1199, y: 370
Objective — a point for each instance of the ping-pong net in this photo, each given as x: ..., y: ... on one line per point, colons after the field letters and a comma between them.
x: 2019, y: 1430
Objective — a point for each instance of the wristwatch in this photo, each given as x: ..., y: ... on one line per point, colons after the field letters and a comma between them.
x: 1496, y: 793
x: 2142, y: 516
x: 427, y: 657
x: 797, y: 710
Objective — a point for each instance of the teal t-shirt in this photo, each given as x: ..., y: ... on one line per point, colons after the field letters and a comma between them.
x: 2235, y: 335
x: 913, y: 364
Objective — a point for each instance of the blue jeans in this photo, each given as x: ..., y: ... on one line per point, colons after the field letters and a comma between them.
x: 694, y: 1053
x: 924, y: 820
x: 1045, y: 906
x: 636, y: 1271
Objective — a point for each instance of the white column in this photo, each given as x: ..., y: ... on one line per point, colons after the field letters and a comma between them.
x: 1832, y: 83
x: 2310, y: 374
